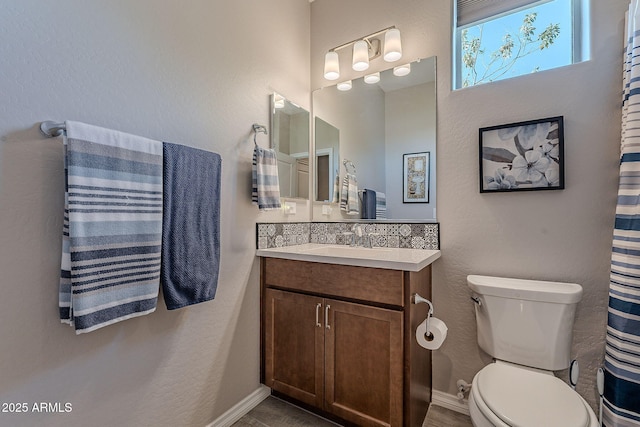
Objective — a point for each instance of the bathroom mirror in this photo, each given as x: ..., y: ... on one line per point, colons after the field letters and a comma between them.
x: 290, y: 139
x: 380, y: 127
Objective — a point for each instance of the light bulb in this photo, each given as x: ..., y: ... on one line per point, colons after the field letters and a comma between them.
x: 331, y: 66
x: 344, y: 85
x: 372, y: 78
x: 392, y: 45
x: 402, y: 70
x: 360, y: 55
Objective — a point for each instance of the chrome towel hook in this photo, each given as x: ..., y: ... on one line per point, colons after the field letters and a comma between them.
x: 51, y: 129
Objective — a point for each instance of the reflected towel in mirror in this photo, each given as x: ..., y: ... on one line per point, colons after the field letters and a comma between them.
x: 336, y: 189
x: 369, y: 204
x: 349, y: 196
x: 381, y: 205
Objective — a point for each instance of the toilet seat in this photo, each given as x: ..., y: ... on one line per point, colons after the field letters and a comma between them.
x: 520, y: 397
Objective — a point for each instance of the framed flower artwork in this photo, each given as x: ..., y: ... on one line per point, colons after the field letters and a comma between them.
x: 522, y: 156
x: 416, y: 177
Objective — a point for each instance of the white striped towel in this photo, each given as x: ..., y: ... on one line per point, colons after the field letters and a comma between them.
x: 381, y: 205
x: 265, y: 186
x: 349, y: 202
x: 113, y: 227
x: 336, y: 189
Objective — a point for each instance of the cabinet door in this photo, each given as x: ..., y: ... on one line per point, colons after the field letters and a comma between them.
x: 294, y: 345
x: 364, y: 364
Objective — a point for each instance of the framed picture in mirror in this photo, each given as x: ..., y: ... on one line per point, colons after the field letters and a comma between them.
x: 416, y: 177
x: 522, y: 156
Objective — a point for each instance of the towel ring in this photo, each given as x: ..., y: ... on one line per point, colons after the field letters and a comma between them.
x: 258, y: 129
x: 349, y: 164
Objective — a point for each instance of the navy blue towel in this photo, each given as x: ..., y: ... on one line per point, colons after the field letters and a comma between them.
x: 190, y: 225
x: 368, y: 204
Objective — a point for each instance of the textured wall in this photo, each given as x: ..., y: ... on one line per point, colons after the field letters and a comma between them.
x: 561, y: 235
x: 197, y: 73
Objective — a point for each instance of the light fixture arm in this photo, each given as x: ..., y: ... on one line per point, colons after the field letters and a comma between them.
x: 365, y: 38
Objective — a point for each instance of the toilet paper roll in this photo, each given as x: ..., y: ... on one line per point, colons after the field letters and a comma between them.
x: 432, y: 339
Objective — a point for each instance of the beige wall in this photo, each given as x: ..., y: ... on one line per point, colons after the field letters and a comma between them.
x: 560, y: 235
x: 197, y: 73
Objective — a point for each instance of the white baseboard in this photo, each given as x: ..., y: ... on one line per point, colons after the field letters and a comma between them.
x: 449, y: 401
x: 241, y: 408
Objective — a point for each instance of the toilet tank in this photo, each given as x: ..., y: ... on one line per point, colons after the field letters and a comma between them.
x: 527, y: 322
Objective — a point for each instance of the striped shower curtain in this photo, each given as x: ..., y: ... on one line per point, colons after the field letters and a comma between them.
x: 622, y: 359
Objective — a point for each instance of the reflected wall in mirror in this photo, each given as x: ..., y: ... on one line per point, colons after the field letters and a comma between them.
x: 378, y: 124
x: 290, y: 139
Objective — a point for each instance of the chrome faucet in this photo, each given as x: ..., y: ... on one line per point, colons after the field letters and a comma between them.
x: 360, y: 237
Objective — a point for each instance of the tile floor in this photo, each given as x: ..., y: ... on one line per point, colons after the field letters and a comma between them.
x: 274, y: 412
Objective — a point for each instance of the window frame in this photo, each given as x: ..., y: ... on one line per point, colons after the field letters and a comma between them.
x: 580, y: 37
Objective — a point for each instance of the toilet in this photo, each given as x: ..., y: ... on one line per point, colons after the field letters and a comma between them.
x: 526, y: 326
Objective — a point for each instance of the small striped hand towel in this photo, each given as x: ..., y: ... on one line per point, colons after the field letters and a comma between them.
x: 266, y: 187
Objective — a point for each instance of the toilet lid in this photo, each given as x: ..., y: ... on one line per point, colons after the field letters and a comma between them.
x: 524, y: 398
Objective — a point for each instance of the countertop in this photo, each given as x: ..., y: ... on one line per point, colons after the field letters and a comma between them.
x: 389, y: 258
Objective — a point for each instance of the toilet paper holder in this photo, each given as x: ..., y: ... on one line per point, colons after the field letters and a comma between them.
x: 417, y: 299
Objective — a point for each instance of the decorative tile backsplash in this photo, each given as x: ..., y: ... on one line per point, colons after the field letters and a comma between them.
x: 275, y: 235
x: 391, y: 235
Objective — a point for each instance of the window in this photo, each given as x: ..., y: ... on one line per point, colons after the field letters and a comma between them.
x: 499, y: 39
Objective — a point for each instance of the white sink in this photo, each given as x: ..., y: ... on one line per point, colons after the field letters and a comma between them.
x: 391, y: 258
x: 349, y: 251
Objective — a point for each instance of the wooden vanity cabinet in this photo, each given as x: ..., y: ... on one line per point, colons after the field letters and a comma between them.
x: 339, y: 339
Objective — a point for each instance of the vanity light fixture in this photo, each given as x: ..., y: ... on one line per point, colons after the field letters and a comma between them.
x: 402, y: 70
x: 364, y: 50
x: 344, y: 86
x: 372, y: 78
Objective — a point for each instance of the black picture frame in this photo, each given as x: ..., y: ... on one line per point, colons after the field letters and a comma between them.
x: 522, y: 156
